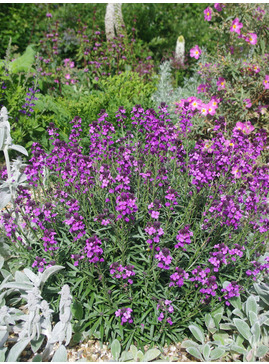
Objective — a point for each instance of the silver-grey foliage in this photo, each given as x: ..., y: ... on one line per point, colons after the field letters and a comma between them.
x: 33, y: 323
x: 15, y: 177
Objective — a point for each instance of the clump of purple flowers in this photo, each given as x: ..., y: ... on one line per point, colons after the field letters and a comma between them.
x: 125, y: 315
x: 120, y: 272
x: 27, y: 107
x: 231, y: 290
x: 164, y: 258
x: 184, y: 237
x: 165, y: 306
x: 178, y: 277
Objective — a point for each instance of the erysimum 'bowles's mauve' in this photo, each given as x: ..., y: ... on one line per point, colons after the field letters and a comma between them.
x: 149, y: 202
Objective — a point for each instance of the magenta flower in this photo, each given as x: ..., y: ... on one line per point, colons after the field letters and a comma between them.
x: 221, y: 83
x: 236, y: 26
x: 49, y: 15
x: 266, y: 82
x: 248, y: 103
x: 251, y: 38
x: 195, y: 52
x: 219, y: 6
x: 208, y: 14
x: 246, y: 127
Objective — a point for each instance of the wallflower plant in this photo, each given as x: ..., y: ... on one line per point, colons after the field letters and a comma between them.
x: 148, y: 226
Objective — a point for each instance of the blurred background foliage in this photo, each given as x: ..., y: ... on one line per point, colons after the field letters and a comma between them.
x: 157, y: 25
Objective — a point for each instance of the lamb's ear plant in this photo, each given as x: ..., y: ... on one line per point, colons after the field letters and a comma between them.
x: 203, y: 350
x: 135, y: 355
x: 15, y: 177
x: 33, y: 324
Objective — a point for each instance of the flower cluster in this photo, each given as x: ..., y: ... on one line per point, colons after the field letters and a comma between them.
x: 184, y: 237
x: 164, y: 258
x: 27, y: 107
x: 177, y: 278
x: 125, y: 315
x: 120, y: 272
x: 231, y: 290
x: 165, y: 306
x: 155, y: 231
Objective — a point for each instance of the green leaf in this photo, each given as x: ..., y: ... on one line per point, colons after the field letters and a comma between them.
x: 197, y: 333
x: 151, y: 355
x: 36, y: 358
x: 243, y: 328
x: 217, y: 353
x: 35, y: 344
x: 236, y: 302
x: 194, y: 352
x: 17, y: 349
x: 77, y: 310
x: 60, y: 355
x: 116, y: 349
x: 223, y: 337
x: 24, y: 62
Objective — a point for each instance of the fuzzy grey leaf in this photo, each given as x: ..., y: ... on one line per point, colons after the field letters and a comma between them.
x: 256, y: 331
x: 19, y: 148
x: 48, y: 272
x: 5, y: 198
x: 16, y: 350
x: 2, y: 261
x: 116, y: 349
x: 261, y: 351
x: 189, y: 343
x: 206, y: 352
x: 151, y: 355
x: 60, y: 355
x: 251, y: 305
x: 243, y: 328
x: 194, y: 352
x: 197, y: 333
x: 32, y: 276
x: 3, y: 337
x: 2, y: 354
x: 217, y: 353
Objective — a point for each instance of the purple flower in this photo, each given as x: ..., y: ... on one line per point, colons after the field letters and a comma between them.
x: 125, y: 314
x: 266, y: 82
x: 221, y: 83
x: 232, y: 290
x: 178, y: 277
x: 164, y: 258
x: 184, y: 237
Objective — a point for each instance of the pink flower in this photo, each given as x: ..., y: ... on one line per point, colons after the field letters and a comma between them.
x: 251, y: 38
x: 194, y: 104
x: 203, y: 109
x: 246, y: 127
x: 219, y: 6
x: 236, y: 26
x: 49, y: 15
x: 256, y: 69
x: 266, y: 82
x: 221, y: 83
x: 67, y: 76
x: 236, y: 172
x: 155, y: 214
x: 208, y: 14
x: 248, y: 103
x: 195, y: 52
